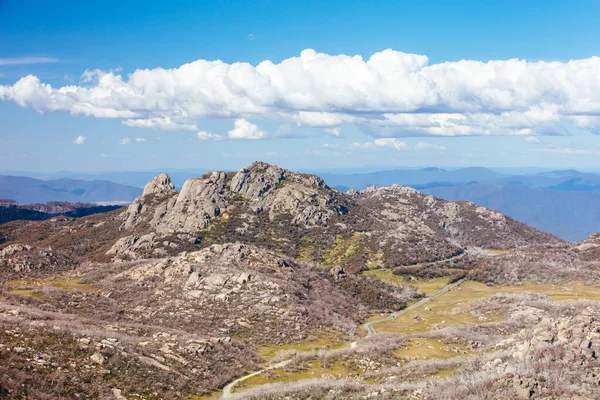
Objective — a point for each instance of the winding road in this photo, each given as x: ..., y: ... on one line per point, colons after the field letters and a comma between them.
x: 228, y: 389
x: 369, y: 325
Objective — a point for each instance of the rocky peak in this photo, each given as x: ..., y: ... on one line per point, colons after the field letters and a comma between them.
x: 160, y: 185
x: 255, y: 180
x: 305, y: 200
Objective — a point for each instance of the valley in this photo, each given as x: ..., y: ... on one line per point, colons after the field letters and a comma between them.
x: 420, y: 334
x: 269, y: 284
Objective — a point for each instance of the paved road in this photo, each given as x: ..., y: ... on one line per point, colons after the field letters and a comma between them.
x: 227, y: 390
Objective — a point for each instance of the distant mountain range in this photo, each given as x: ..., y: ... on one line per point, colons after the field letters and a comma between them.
x: 26, y: 190
x: 11, y: 211
x: 565, y: 202
x: 129, y: 178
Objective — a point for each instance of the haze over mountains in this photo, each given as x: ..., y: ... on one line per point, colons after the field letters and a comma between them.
x: 565, y: 203
x: 26, y: 190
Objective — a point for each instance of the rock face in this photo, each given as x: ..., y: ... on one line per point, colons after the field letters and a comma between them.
x: 262, y: 186
x: 267, y: 205
x: 258, y: 189
x: 160, y: 186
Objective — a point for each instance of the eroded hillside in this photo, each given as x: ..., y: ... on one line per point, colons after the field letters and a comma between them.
x: 182, y: 292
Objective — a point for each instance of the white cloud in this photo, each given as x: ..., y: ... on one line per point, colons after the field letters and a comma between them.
x: 28, y: 60
x: 245, y: 130
x: 208, y: 136
x: 331, y: 146
x: 532, y: 139
x: 124, y: 141
x: 337, y: 131
x: 324, y: 119
x: 140, y: 139
x: 389, y: 94
x: 159, y: 123
x: 79, y: 140
x: 389, y: 143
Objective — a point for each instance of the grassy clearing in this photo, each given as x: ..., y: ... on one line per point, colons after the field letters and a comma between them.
x: 313, y: 370
x: 327, y: 341
x: 427, y: 286
x: 429, y: 348
x: 452, y: 308
x: 498, y: 252
x: 386, y: 275
x: 22, y: 286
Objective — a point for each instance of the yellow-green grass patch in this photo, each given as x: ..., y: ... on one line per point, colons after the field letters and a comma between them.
x: 337, y: 370
x: 65, y: 283
x: 452, y: 308
x: 498, y: 252
x: 427, y: 286
x: 431, y: 348
x: 326, y: 341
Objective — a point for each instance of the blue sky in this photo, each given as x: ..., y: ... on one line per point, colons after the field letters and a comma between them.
x: 310, y: 112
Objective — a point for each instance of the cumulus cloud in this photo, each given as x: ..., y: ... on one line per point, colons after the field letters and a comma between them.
x: 124, y: 141
x: 532, y: 139
x: 208, y: 136
x: 389, y: 94
x: 140, y: 139
x: 243, y: 129
x: 79, y: 140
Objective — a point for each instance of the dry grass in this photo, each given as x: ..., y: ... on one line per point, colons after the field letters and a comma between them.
x: 453, y: 308
x: 431, y: 348
x: 310, y: 370
x: 324, y: 341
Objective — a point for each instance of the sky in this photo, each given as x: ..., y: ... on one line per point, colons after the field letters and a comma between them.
x: 139, y: 85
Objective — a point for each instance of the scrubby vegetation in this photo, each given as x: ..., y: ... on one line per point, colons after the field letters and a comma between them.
x: 182, y: 293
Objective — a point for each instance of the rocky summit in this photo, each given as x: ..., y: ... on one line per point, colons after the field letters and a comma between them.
x: 268, y: 283
x: 300, y: 215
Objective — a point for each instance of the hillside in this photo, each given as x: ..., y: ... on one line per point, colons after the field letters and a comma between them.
x: 564, y: 203
x: 571, y: 215
x: 183, y: 291
x: 301, y: 216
